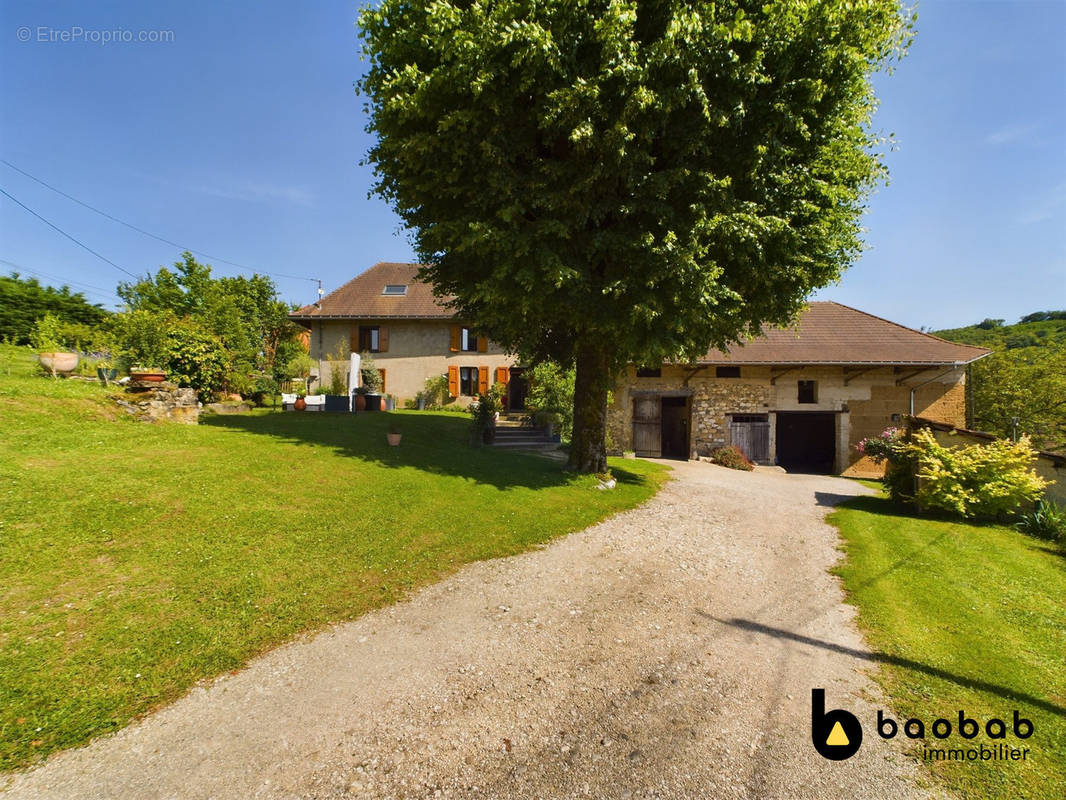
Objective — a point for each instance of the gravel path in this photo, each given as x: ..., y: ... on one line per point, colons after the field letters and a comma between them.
x: 668, y: 652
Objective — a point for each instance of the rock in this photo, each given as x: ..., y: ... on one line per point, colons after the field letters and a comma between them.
x: 152, y: 402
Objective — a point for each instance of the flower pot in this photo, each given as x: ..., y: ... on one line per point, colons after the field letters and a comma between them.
x: 373, y: 402
x: 147, y: 375
x: 58, y: 362
x: 394, y: 438
x: 106, y: 374
x: 300, y: 404
x: 360, y: 402
x: 337, y: 402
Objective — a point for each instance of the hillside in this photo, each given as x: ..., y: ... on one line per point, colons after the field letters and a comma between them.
x: 1022, y: 385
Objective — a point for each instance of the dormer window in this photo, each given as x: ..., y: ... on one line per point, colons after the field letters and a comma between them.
x: 394, y: 290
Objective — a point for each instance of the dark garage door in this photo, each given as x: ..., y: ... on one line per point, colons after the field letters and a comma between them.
x: 806, y: 441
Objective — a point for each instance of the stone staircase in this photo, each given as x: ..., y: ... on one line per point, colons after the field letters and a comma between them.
x: 514, y: 434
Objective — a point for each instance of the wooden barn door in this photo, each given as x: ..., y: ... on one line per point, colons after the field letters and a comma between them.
x: 751, y: 435
x: 647, y: 426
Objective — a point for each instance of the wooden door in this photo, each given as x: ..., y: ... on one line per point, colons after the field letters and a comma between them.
x: 647, y: 426
x: 750, y: 433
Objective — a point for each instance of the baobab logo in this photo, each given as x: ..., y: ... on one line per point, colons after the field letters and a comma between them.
x: 837, y: 734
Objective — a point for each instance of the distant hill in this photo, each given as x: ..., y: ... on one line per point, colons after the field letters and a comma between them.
x: 1039, y: 329
x: 1022, y: 385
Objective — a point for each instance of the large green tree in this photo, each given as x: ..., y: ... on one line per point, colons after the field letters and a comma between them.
x: 244, y: 313
x: 612, y: 181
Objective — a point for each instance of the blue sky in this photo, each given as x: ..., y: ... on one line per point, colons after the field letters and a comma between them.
x: 241, y: 137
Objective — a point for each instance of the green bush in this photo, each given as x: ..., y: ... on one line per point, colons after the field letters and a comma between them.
x: 196, y: 358
x: 551, y: 390
x: 1046, y: 521
x: 730, y: 456
x: 435, y: 391
x: 47, y: 334
x: 981, y: 481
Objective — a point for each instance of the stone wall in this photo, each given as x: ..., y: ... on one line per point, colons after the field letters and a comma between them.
x: 154, y: 402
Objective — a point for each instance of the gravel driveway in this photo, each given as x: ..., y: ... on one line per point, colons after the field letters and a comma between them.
x: 667, y: 652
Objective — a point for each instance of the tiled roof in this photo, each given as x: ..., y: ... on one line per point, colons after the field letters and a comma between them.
x: 831, y: 333
x: 362, y: 297
x: 826, y: 332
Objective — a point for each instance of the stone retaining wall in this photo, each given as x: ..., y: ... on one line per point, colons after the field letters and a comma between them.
x: 152, y: 402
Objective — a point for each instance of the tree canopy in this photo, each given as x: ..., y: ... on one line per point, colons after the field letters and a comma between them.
x: 24, y: 300
x: 628, y: 181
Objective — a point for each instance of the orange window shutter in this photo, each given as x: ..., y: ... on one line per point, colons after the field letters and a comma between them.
x: 353, y: 340
x: 482, y: 344
x: 456, y: 333
x: 502, y: 375
x: 381, y: 373
x: 453, y: 381
x: 383, y: 340
x: 483, y: 380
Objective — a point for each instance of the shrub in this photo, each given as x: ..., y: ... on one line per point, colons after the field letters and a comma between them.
x: 368, y: 372
x: 435, y: 391
x: 46, y: 336
x: 196, y: 358
x: 1046, y: 521
x: 730, y: 456
x: 484, y: 411
x: 551, y: 390
x: 975, y: 482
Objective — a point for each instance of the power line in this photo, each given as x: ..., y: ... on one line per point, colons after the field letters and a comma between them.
x: 99, y: 291
x: 60, y: 230
x: 148, y: 233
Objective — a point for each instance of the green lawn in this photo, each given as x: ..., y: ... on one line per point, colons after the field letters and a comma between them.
x: 136, y: 559
x: 969, y: 617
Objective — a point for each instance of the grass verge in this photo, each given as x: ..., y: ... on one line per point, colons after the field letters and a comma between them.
x: 967, y: 617
x: 136, y: 560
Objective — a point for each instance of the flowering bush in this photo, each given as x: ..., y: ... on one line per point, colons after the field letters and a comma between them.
x: 884, y: 447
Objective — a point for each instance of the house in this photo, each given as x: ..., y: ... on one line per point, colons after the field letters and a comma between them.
x: 387, y: 312
x: 799, y: 397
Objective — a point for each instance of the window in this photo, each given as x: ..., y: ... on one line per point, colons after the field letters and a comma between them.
x: 468, y: 381
x: 808, y: 392
x: 648, y: 372
x: 370, y: 339
x: 467, y: 341
x: 727, y: 372
x: 394, y: 290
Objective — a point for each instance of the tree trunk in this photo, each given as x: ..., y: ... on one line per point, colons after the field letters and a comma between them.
x: 592, y: 382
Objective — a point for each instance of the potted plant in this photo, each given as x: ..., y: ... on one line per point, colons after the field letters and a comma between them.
x: 393, y: 435
x: 337, y: 396
x: 371, y: 382
x: 46, y: 339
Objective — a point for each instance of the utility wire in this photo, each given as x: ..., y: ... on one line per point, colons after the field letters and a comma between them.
x: 86, y: 287
x: 148, y: 233
x: 60, y: 230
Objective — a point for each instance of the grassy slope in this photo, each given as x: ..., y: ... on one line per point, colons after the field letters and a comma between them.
x: 138, y: 559
x: 1021, y: 334
x: 967, y: 617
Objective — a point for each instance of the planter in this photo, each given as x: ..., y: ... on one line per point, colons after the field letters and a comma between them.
x: 300, y: 404
x: 394, y: 438
x: 58, y: 362
x: 337, y: 402
x: 360, y: 402
x: 373, y: 402
x: 106, y: 375
x: 147, y: 375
